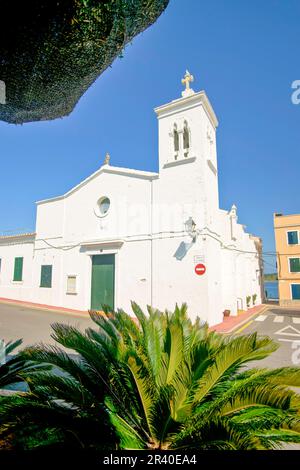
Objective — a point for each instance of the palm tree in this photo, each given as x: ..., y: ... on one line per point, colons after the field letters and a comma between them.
x: 12, y: 369
x: 161, y: 382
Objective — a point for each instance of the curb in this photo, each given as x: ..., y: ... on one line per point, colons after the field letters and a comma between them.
x: 239, y: 325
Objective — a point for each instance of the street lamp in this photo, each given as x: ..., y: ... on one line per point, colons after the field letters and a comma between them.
x: 190, y: 228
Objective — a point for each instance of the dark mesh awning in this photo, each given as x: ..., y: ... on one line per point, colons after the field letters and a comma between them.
x: 52, y: 51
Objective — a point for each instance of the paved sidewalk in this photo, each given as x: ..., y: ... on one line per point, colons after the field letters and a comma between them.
x: 230, y: 324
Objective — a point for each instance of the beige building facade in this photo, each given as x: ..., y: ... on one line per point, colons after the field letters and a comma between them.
x: 287, y: 239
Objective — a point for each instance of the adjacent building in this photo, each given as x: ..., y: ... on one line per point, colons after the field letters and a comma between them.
x: 158, y: 238
x: 287, y: 239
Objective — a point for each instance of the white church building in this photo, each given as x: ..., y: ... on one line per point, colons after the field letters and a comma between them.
x: 155, y: 238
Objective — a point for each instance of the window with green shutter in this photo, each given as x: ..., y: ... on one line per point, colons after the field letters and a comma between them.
x: 295, y: 291
x: 18, y: 270
x: 295, y: 265
x: 293, y: 237
x: 46, y: 275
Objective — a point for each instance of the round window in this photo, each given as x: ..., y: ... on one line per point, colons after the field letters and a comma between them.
x: 104, y: 205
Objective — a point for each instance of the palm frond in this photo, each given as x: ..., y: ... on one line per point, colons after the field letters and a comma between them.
x: 16, y: 367
x: 276, y: 438
x: 163, y: 426
x: 12, y: 346
x: 229, y: 358
x: 145, y: 388
x: 129, y: 438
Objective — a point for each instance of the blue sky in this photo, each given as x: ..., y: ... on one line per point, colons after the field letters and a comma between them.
x: 245, y: 54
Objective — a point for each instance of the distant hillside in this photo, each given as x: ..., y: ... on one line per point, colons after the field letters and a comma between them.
x: 270, y: 277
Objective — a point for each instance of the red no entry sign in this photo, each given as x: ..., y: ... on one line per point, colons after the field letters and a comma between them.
x: 200, y: 269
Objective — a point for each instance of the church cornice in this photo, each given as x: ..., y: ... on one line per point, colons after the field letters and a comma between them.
x: 18, y: 239
x: 146, y: 175
x: 188, y: 102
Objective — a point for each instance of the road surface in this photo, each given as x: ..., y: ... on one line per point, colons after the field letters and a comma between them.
x: 282, y: 325
x: 34, y: 325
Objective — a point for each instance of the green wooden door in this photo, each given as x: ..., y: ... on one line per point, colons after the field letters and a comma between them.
x: 103, y: 281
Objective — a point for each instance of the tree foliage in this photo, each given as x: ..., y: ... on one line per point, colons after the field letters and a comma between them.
x: 161, y: 382
x: 51, y: 52
x: 13, y: 367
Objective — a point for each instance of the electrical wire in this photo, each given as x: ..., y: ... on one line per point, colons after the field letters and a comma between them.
x: 171, y: 234
x: 182, y: 234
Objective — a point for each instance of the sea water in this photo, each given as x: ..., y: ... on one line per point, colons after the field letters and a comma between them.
x: 271, y: 290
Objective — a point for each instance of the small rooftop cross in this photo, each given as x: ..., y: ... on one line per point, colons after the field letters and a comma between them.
x: 188, y: 78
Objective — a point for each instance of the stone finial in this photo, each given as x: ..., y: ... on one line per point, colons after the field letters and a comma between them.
x: 188, y: 78
x: 107, y: 159
x: 233, y: 211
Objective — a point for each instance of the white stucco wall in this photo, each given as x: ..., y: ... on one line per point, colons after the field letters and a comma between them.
x: 145, y: 229
x: 9, y: 250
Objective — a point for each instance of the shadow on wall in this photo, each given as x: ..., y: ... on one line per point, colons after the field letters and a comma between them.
x: 182, y: 250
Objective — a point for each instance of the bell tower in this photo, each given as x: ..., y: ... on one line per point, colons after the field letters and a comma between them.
x: 187, y: 147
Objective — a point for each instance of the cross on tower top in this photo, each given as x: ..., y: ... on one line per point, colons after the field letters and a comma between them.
x: 188, y: 78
